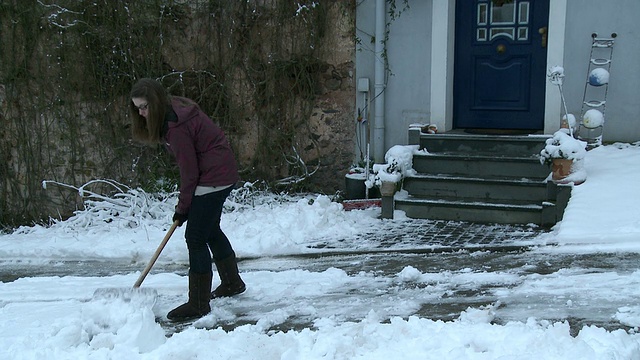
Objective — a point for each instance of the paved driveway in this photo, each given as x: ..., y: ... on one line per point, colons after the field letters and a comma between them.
x: 433, y: 269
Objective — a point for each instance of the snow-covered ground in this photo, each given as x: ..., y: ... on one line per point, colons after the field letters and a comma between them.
x: 352, y: 314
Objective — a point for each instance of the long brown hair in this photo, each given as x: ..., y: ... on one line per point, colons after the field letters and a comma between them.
x: 149, y: 130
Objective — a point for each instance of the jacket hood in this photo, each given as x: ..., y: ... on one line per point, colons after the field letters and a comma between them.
x: 179, y: 111
x: 183, y: 109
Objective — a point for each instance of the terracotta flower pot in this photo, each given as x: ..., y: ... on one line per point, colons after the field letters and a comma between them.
x: 560, y: 169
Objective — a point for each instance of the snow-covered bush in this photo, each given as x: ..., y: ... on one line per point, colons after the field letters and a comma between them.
x: 130, y: 208
x: 253, y: 194
x: 563, y: 146
x: 399, y: 163
x: 124, y: 206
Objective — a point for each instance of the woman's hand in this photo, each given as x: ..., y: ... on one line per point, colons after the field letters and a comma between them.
x: 180, y: 218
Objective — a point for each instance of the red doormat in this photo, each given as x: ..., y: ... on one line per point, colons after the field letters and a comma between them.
x: 361, y: 204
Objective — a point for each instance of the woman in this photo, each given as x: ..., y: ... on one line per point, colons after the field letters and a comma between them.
x: 208, y: 172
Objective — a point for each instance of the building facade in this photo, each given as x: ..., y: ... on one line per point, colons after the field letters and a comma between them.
x: 482, y: 65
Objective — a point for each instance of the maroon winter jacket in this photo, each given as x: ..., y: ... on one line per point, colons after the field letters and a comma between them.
x: 201, y: 150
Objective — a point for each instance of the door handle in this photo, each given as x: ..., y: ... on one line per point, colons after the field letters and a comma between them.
x: 543, y: 31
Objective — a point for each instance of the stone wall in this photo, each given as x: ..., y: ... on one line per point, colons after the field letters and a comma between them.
x: 276, y: 75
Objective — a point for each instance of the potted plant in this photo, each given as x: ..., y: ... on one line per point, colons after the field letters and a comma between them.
x: 565, y: 155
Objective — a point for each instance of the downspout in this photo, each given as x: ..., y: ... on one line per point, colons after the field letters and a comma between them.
x: 378, y: 124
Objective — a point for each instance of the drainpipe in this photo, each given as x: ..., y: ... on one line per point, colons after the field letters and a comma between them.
x: 378, y: 124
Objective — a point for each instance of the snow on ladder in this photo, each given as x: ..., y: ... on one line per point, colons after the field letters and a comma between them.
x: 594, y: 100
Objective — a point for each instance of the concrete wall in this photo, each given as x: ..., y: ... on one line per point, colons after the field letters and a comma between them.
x: 408, y: 77
x: 584, y: 17
x: 408, y: 86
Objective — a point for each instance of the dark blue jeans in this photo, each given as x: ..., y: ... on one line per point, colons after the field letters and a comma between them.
x: 203, y: 234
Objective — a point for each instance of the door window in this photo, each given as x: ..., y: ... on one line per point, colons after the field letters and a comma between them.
x: 508, y: 18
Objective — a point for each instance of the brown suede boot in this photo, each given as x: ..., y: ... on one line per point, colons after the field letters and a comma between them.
x: 198, y: 304
x: 230, y: 281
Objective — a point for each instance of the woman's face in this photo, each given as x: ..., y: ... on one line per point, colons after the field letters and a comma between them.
x: 143, y: 106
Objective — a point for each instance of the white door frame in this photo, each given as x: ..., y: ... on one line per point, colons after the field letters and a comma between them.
x: 442, y: 57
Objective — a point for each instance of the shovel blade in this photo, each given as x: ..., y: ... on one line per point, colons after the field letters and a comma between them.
x: 144, y: 296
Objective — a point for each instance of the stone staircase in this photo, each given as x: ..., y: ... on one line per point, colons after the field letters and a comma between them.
x: 481, y: 179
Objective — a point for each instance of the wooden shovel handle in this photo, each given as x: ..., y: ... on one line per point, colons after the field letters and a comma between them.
x: 155, y: 255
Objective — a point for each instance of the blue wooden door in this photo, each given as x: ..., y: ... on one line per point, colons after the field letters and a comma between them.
x: 500, y: 64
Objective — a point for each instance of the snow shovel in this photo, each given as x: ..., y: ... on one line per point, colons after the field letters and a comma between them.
x: 136, y: 293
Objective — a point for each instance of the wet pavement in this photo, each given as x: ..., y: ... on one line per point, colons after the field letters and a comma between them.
x: 443, y: 251
x: 450, y: 299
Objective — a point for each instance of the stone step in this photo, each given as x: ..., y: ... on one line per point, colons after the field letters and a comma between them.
x: 543, y: 214
x: 481, y: 166
x: 482, y: 179
x: 495, y: 145
x: 479, y: 189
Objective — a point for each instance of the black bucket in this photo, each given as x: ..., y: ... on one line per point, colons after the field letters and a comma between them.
x: 356, y: 189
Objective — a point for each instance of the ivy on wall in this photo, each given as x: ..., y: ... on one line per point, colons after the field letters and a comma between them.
x: 66, y: 68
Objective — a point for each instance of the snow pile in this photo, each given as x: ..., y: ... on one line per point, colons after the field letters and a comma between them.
x: 116, y: 324
x: 604, y: 209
